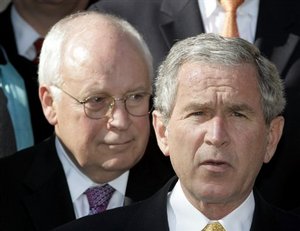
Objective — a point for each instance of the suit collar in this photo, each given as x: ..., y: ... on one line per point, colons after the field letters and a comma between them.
x: 267, y: 217
x: 47, y: 186
x: 157, y: 219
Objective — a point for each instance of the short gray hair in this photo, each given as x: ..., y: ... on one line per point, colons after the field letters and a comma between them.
x: 50, y: 65
x: 209, y: 48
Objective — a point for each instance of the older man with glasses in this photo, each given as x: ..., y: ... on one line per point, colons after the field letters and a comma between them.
x: 95, y: 88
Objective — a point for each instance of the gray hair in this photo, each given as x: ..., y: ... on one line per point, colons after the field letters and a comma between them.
x: 51, y: 57
x: 210, y: 48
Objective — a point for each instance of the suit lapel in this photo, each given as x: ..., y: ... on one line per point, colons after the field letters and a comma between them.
x: 273, y: 35
x: 278, y: 50
x: 153, y: 215
x: 179, y: 19
x: 266, y: 217
x: 48, y: 187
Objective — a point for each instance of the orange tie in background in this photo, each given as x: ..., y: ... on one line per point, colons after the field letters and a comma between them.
x: 38, y: 46
x: 215, y: 226
x: 230, y: 28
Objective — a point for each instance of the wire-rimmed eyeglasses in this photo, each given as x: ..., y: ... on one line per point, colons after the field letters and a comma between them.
x: 99, y: 106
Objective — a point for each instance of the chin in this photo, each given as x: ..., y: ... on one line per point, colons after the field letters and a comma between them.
x: 117, y: 164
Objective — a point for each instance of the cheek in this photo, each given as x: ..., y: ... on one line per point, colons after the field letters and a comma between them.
x: 185, y: 136
x: 184, y: 142
x: 74, y: 128
x: 252, y: 147
x: 142, y: 127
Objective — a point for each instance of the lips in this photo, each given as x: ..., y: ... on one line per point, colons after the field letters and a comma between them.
x: 213, y: 162
x: 119, y: 143
x: 215, y: 165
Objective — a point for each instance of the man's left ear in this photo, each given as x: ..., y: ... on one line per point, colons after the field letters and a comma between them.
x: 274, y: 135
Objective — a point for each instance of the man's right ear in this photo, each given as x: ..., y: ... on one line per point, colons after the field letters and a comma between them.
x: 161, y: 132
x: 48, y: 105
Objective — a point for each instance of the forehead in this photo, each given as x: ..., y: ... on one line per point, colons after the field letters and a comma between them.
x: 110, y: 57
x: 198, y: 79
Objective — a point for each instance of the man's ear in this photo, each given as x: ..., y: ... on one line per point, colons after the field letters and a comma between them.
x: 47, y: 101
x: 274, y: 135
x: 160, y: 132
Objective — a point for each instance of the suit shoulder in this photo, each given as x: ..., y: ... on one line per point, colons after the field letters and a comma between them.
x: 20, y: 162
x: 149, y: 214
x: 113, y: 220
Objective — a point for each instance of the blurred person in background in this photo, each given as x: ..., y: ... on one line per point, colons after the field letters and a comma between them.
x: 23, y: 25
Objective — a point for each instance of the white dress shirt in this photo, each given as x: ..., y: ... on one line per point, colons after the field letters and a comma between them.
x: 183, y: 216
x: 213, y: 17
x: 78, y: 183
x: 25, y: 35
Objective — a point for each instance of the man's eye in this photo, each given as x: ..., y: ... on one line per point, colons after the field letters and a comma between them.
x: 96, y: 99
x: 97, y: 102
x: 136, y: 97
x: 196, y: 114
x: 238, y: 114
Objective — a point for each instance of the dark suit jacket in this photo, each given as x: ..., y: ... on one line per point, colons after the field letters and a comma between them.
x: 151, y: 215
x: 27, y: 70
x: 163, y: 22
x: 34, y: 194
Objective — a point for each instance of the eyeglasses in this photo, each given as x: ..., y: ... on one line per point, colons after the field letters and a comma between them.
x: 99, y: 106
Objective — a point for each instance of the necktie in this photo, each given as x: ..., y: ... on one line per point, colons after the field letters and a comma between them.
x: 38, y: 46
x: 7, y: 136
x: 98, y: 198
x: 230, y: 28
x: 215, y: 226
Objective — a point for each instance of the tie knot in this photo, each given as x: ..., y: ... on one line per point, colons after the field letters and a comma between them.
x: 231, y: 5
x: 215, y: 226
x: 98, y: 197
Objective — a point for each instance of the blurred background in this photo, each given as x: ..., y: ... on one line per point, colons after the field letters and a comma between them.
x: 3, y: 4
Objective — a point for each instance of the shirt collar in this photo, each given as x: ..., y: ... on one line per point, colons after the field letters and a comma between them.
x: 249, y: 7
x: 25, y: 35
x: 187, y: 217
x: 241, y: 217
x: 78, y: 182
x: 208, y: 7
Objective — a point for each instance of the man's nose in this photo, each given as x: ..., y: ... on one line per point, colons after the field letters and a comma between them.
x: 217, y: 132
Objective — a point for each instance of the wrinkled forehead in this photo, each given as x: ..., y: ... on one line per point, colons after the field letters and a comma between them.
x: 221, y: 87
x: 199, y: 74
x: 200, y: 81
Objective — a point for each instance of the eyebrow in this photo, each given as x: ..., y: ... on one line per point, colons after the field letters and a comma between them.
x: 233, y: 107
x: 96, y: 91
x: 242, y: 107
